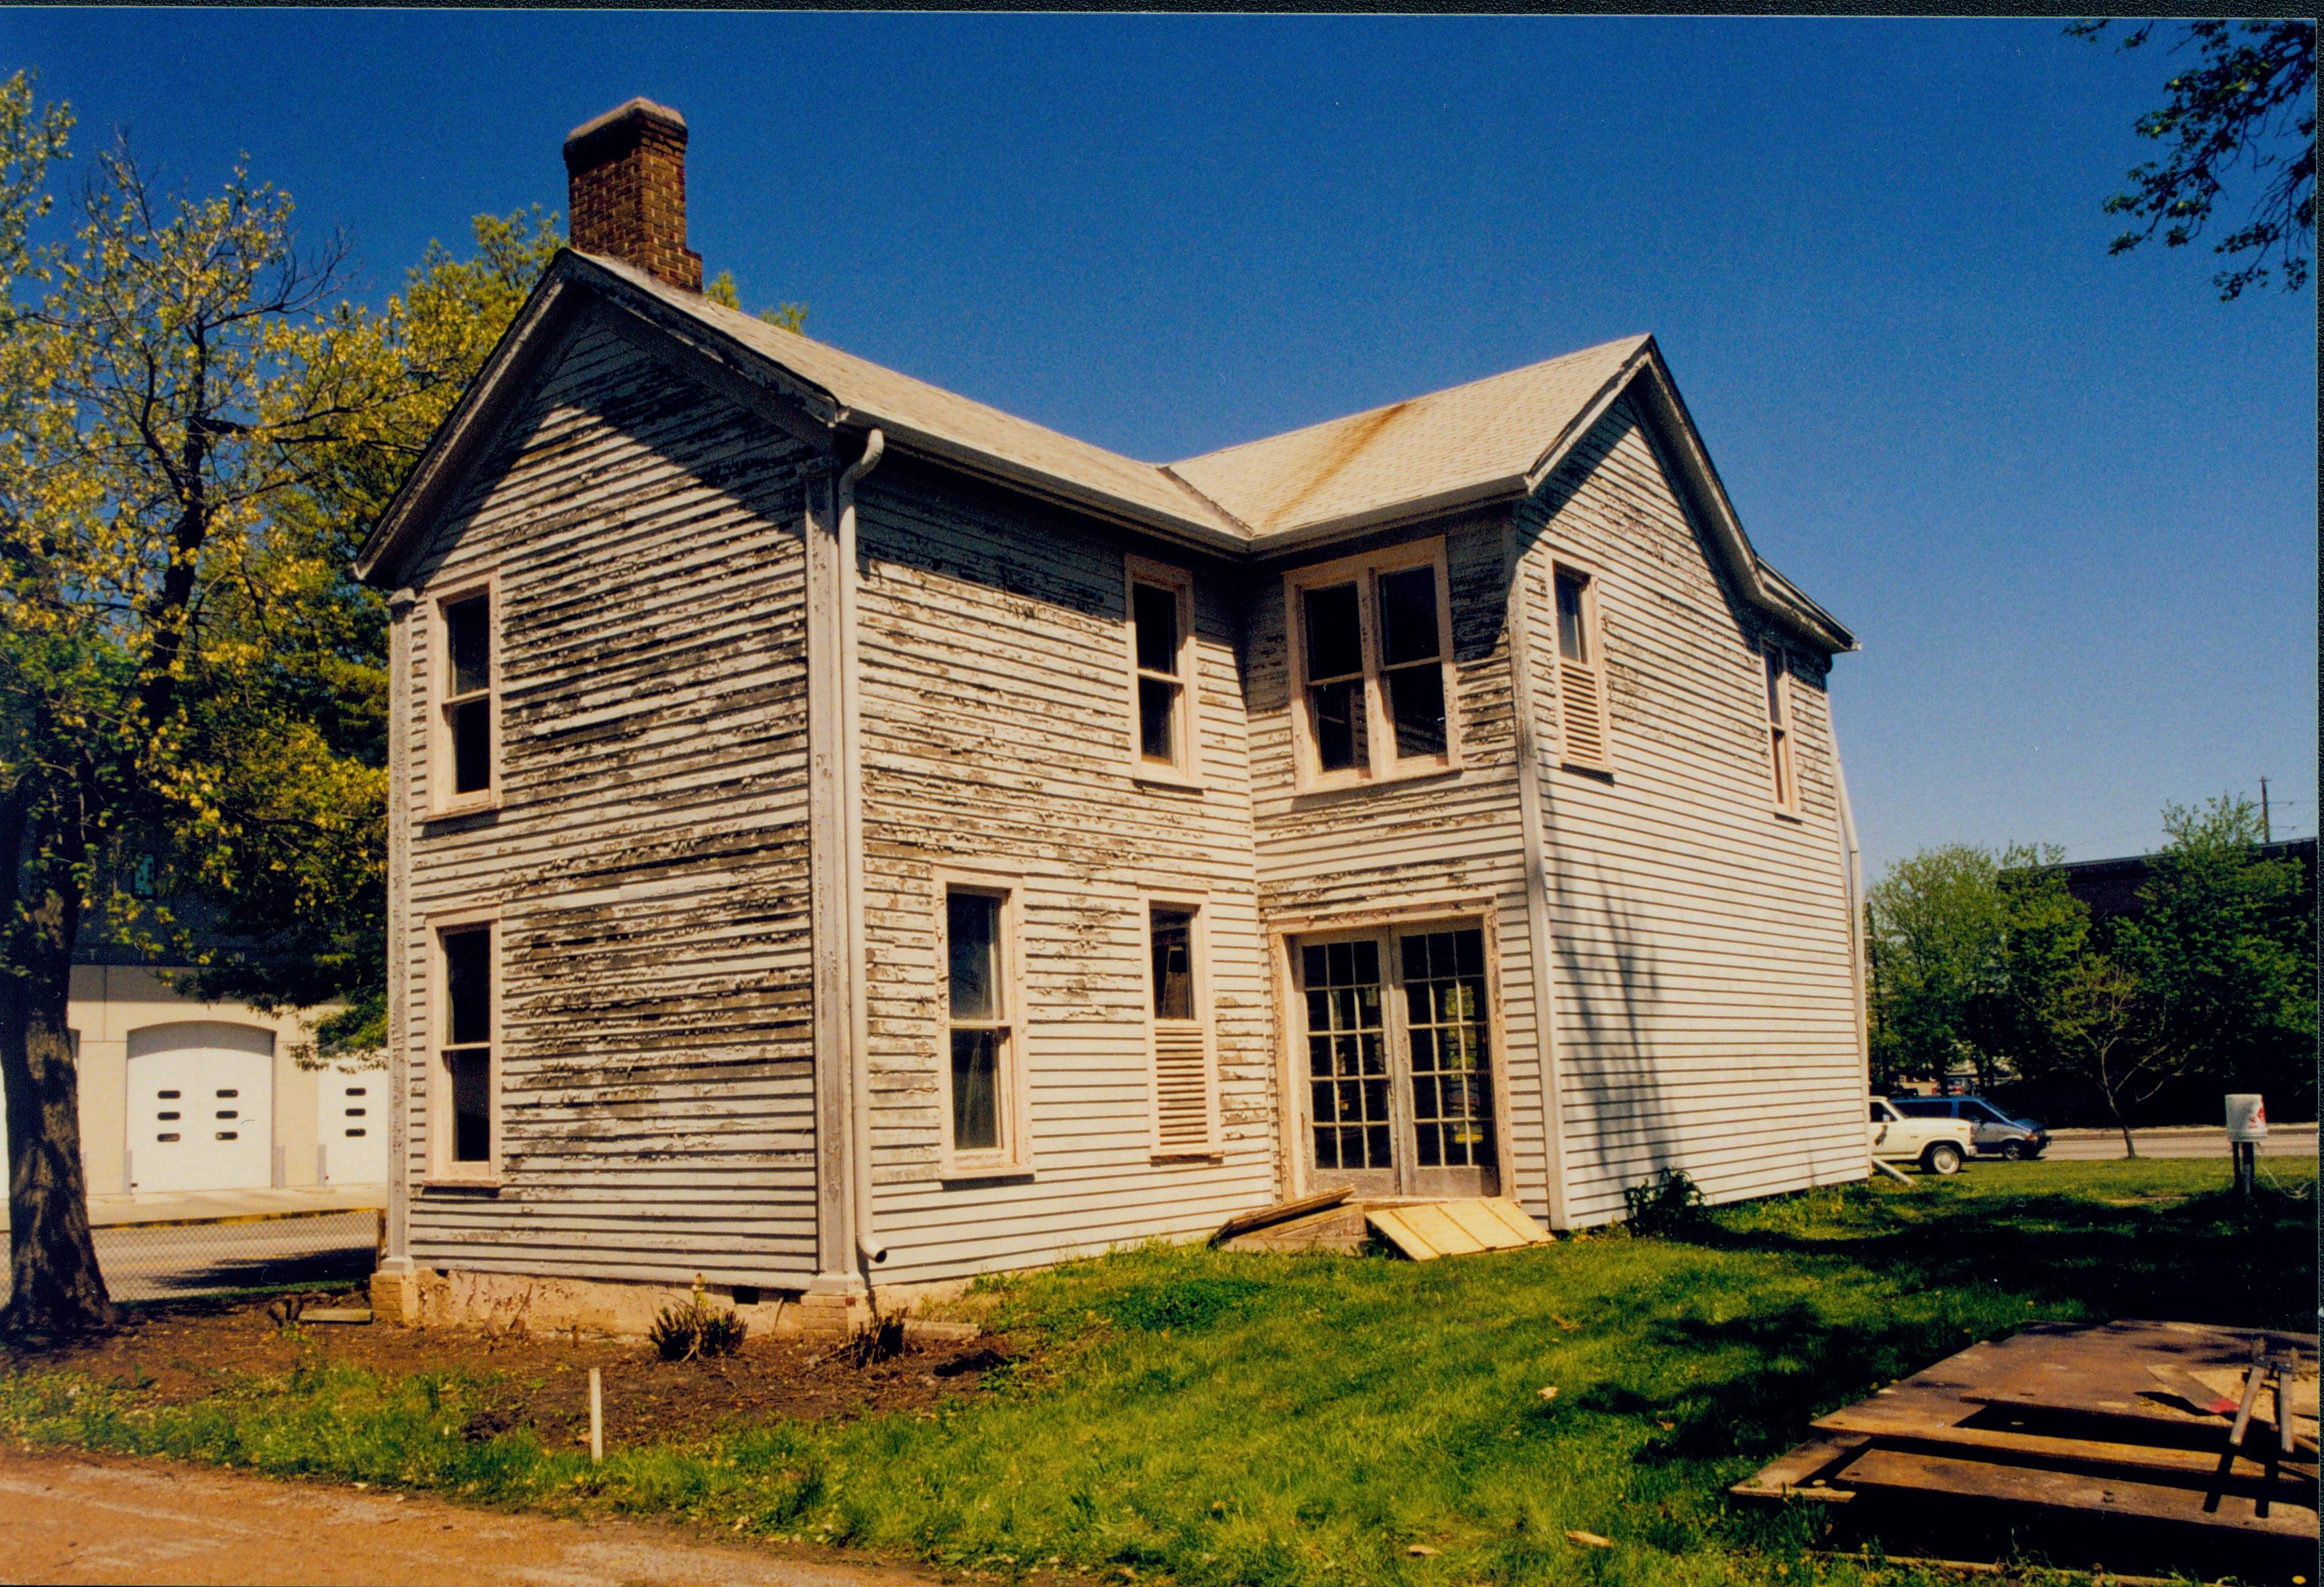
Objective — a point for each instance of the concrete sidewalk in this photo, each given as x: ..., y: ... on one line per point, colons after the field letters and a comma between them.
x: 218, y: 1206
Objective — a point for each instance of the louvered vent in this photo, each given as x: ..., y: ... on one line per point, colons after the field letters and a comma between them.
x: 1584, y: 711
x: 1182, y: 1089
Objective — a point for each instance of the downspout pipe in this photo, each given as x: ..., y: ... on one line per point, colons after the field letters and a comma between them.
x: 869, y: 1249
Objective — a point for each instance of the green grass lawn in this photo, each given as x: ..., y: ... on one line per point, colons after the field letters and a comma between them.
x: 1218, y: 1418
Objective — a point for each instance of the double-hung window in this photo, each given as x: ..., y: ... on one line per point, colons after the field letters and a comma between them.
x: 463, y: 1117
x: 1371, y: 659
x: 1785, y: 776
x: 984, y: 1090
x: 464, y: 772
x: 1161, y: 602
x: 1180, y: 1032
x: 1581, y: 670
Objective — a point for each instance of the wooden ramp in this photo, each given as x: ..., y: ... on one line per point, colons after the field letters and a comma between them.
x: 2063, y: 1425
x: 1420, y: 1229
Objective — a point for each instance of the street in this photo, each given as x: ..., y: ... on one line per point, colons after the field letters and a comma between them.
x: 2087, y: 1146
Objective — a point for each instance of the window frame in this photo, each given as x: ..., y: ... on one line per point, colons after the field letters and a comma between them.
x: 1381, y: 764
x: 1782, y: 730
x: 1185, y: 770
x: 442, y: 802
x: 1593, y: 644
x: 1013, y: 1157
x: 442, y: 1168
x: 1206, y: 1019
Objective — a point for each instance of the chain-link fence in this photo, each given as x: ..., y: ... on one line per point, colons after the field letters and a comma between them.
x: 166, y: 1261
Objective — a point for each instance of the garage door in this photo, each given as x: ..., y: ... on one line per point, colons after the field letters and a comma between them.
x: 201, y: 1107
x: 351, y: 1126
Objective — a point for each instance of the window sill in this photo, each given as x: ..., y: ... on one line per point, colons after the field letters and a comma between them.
x: 1147, y: 774
x: 982, y: 1173
x: 461, y: 1184
x: 1340, y: 786
x: 466, y: 807
x: 1797, y: 818
x: 1594, y: 769
x: 1207, y: 1154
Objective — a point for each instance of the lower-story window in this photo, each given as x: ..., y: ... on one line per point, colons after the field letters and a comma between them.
x: 981, y: 1028
x: 464, y: 1115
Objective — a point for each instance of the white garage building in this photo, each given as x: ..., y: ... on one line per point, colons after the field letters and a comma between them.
x: 178, y: 1095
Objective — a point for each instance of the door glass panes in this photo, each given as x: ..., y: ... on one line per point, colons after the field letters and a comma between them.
x: 1412, y: 661
x: 1334, y: 646
x: 1444, y: 1020
x: 1347, y: 1055
x: 1174, y: 964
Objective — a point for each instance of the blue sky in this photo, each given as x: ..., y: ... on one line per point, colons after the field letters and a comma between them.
x: 2068, y: 502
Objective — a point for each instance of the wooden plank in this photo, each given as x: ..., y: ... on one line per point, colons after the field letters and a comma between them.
x: 2183, y: 1466
x: 1281, y: 1212
x: 1809, y: 1471
x: 1905, y: 1474
x: 1394, y: 1225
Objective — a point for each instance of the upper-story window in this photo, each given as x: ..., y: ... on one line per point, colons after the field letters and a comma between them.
x: 463, y: 771
x: 1161, y: 602
x: 1372, y: 660
x: 1779, y: 731
x: 1581, y: 670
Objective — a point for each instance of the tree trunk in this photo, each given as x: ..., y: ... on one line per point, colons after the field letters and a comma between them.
x: 55, y: 1289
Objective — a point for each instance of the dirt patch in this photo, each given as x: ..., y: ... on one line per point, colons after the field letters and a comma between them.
x: 185, y: 1350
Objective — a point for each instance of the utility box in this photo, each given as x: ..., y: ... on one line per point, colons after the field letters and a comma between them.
x: 2246, y: 1117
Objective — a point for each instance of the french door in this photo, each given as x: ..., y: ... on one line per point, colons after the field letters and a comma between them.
x: 1398, y: 1061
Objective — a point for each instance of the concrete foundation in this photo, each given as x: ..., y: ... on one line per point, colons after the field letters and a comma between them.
x: 432, y: 1298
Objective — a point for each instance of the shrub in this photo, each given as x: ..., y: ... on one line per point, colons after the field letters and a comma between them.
x: 1669, y: 1204
x: 692, y: 1331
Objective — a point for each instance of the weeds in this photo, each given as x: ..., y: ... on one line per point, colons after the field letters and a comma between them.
x: 693, y: 1332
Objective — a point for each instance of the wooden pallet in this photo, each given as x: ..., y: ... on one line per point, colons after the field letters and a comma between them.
x: 2069, y: 1425
x: 1421, y: 1229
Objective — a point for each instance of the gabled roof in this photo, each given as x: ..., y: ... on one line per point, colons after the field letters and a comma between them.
x: 1492, y: 439
x: 1482, y: 439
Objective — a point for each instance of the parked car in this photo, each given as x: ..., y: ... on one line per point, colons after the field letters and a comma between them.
x: 1996, y: 1134
x: 1940, y: 1145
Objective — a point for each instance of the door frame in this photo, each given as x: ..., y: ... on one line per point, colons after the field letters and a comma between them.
x: 1294, y: 1113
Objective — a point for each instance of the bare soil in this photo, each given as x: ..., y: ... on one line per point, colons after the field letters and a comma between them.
x: 185, y: 1350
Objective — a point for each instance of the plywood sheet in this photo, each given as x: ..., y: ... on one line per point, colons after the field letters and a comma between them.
x: 1424, y: 1231
x: 1902, y: 1472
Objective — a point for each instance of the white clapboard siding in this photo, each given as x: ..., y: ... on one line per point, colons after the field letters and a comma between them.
x: 997, y: 729
x: 1705, y: 1010
x: 650, y: 859
x: 1447, y: 840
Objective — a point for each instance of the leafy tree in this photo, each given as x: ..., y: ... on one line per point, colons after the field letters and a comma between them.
x: 169, y: 368
x: 790, y: 317
x: 296, y: 866
x: 2104, y: 1032
x: 2225, y: 951
x: 2247, y: 101
x: 1936, y: 935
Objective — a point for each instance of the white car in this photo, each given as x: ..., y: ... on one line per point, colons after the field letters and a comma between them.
x: 1939, y: 1145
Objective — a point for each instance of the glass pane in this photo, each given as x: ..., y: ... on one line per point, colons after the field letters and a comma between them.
x: 1174, y: 965
x: 1347, y: 1055
x: 1338, y: 718
x: 975, y: 1091
x: 471, y: 1074
x: 1409, y: 616
x: 1571, y: 643
x: 1336, y: 645
x: 1774, y: 689
x: 972, y: 935
x: 1157, y: 720
x: 468, y: 986
x: 467, y: 640
x: 1416, y: 702
x: 1444, y: 1011
x: 472, y: 746
x: 1155, y: 610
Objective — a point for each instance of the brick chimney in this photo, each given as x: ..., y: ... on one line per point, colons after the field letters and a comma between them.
x: 625, y: 177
